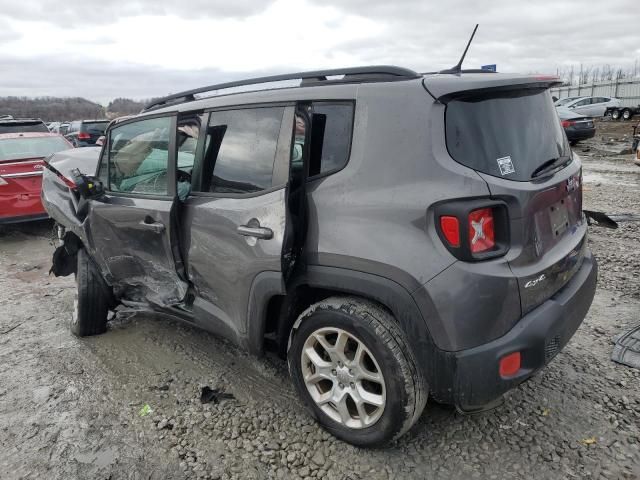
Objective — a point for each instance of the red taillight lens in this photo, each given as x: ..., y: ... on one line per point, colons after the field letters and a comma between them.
x: 482, y: 235
x: 510, y: 364
x: 451, y: 230
x: 567, y: 123
x: 84, y: 136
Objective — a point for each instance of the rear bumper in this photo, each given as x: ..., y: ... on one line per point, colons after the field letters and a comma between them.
x: 582, y: 134
x: 21, y: 207
x: 23, y: 218
x: 538, y: 336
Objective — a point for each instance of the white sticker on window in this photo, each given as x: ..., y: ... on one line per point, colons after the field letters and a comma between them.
x: 506, y: 165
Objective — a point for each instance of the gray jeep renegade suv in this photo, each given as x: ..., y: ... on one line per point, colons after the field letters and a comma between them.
x: 395, y: 235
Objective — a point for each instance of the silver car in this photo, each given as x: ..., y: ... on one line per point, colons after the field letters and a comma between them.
x: 591, y: 106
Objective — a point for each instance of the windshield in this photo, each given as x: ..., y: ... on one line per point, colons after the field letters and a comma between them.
x: 35, y: 147
x: 505, y: 134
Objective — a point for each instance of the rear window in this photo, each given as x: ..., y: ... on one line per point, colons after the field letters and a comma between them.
x: 16, y: 127
x: 505, y: 134
x: 94, y: 128
x: 19, y: 148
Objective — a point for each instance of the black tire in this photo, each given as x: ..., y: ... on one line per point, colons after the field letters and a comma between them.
x: 92, y: 301
x: 406, y: 390
x: 615, y: 114
x: 627, y: 114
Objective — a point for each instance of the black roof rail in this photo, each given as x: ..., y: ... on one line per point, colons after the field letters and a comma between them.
x: 378, y: 73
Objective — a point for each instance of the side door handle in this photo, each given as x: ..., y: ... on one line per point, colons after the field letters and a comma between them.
x: 253, y: 229
x: 149, y: 224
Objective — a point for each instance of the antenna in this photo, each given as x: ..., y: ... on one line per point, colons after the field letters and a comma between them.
x: 458, y: 67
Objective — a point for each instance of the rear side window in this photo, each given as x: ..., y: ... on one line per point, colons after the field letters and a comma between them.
x: 240, y: 150
x: 331, y: 128
x: 507, y: 134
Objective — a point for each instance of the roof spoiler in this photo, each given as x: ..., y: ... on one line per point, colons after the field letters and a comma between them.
x: 444, y: 88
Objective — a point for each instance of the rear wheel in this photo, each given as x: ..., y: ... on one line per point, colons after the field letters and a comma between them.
x: 626, y: 114
x: 615, y: 114
x: 353, y: 367
x: 91, y: 305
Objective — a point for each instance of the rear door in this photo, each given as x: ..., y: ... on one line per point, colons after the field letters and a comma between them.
x: 236, y: 216
x: 583, y: 107
x: 132, y: 228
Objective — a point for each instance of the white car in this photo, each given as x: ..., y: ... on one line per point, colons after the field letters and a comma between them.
x: 592, y: 106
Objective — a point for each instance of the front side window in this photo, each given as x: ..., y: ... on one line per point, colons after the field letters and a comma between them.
x: 139, y: 157
x: 240, y: 150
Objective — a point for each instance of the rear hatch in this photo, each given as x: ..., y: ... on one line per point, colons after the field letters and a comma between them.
x: 19, y: 125
x: 508, y: 131
x: 91, y: 131
x: 21, y: 165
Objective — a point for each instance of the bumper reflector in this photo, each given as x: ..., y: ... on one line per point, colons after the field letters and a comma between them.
x: 510, y: 364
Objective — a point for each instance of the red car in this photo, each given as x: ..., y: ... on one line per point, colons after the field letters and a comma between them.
x: 21, y: 158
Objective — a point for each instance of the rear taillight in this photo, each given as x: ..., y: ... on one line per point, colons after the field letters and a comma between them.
x: 474, y: 230
x: 482, y: 236
x: 567, y: 123
x: 84, y: 136
x: 451, y: 230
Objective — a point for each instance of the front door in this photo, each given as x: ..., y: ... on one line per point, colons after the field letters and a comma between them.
x: 132, y: 228
x: 236, y: 216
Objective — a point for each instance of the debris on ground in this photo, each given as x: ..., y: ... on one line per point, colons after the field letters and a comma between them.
x: 208, y: 395
x: 626, y: 350
x: 146, y: 410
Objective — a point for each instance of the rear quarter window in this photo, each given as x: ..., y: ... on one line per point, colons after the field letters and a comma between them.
x: 505, y: 134
x: 331, y: 130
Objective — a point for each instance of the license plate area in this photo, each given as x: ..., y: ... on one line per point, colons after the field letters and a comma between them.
x: 559, y: 218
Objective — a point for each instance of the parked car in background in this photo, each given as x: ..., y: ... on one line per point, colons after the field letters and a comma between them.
x: 564, y: 101
x: 592, y: 106
x: 84, y: 133
x: 21, y: 158
x: 577, y: 127
x: 274, y: 219
x: 9, y: 124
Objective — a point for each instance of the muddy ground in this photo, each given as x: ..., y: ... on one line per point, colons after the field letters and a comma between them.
x: 71, y: 408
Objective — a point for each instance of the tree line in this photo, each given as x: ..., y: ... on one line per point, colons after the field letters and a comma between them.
x: 580, y: 75
x: 52, y: 109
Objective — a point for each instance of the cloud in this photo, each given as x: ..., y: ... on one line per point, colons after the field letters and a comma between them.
x: 74, y: 13
x: 144, y: 48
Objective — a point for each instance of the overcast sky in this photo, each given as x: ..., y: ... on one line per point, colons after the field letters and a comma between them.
x: 144, y: 48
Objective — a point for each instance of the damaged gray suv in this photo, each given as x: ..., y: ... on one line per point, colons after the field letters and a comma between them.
x: 394, y: 235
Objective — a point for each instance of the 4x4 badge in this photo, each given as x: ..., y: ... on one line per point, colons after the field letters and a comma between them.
x: 535, y: 281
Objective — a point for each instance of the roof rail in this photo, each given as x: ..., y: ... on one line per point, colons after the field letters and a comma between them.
x: 379, y: 73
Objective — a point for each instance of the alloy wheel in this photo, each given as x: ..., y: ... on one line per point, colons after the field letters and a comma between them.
x: 343, y: 377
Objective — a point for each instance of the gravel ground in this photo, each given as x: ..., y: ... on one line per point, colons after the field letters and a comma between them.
x: 72, y: 408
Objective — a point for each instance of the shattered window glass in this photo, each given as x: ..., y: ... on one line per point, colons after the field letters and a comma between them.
x: 139, y: 157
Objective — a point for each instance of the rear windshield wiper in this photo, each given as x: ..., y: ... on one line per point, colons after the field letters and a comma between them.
x: 551, y: 166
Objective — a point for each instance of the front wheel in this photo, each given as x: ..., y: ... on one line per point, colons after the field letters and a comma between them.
x: 615, y: 114
x: 352, y: 365
x: 91, y: 305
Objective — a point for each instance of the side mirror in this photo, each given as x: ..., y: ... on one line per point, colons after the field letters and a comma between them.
x: 88, y: 187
